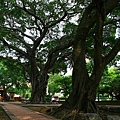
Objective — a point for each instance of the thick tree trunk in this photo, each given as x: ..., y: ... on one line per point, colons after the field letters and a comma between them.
x: 5, y: 96
x: 38, y: 92
x: 82, y: 97
x: 38, y: 81
x: 39, y: 84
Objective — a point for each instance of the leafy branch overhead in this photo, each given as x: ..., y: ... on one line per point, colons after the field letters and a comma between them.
x: 33, y: 25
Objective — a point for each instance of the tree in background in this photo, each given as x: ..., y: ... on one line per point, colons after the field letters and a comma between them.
x: 110, y: 83
x: 32, y: 33
x: 57, y: 82
x: 11, y: 76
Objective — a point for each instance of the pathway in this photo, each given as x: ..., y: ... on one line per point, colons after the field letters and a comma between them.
x: 17, y: 112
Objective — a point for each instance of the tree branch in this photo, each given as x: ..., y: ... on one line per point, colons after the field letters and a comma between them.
x: 100, y: 15
x: 30, y: 13
x: 38, y: 26
x: 13, y: 47
x: 39, y: 39
x: 52, y: 56
x: 19, y: 38
x: 62, y: 46
x: 16, y: 29
x: 112, y: 22
x: 57, y: 21
x: 111, y: 55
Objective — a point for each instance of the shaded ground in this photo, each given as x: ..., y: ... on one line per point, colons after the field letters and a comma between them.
x: 105, y: 110
x: 17, y: 112
x: 44, y: 110
x: 110, y: 109
x: 3, y: 115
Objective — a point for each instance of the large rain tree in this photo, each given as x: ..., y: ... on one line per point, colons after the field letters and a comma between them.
x: 97, y: 27
x: 30, y: 34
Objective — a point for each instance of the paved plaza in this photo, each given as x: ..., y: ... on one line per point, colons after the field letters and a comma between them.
x: 17, y: 112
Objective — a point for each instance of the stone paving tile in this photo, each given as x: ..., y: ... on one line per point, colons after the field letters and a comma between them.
x: 22, y: 113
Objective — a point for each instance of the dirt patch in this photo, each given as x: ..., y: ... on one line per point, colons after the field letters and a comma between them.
x: 44, y: 109
x: 3, y: 115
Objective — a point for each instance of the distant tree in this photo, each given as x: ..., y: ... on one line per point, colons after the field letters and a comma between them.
x: 57, y: 82
x: 110, y: 83
x: 11, y: 76
x: 53, y: 87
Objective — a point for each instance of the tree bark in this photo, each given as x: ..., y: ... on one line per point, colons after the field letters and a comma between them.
x: 39, y: 83
x: 38, y: 79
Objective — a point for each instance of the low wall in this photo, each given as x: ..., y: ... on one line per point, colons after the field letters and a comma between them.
x: 108, y: 102
x: 101, y: 102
